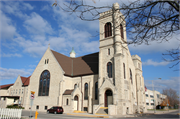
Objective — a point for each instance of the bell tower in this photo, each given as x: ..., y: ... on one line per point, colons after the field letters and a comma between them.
x: 113, y: 57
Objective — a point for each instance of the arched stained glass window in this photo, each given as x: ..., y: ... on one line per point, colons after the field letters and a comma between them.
x: 44, y: 83
x: 121, y: 30
x: 108, y: 29
x: 109, y: 69
x: 85, y: 91
x: 96, y: 90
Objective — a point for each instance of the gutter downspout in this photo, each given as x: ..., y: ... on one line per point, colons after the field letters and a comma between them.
x: 82, y: 95
x: 137, y: 94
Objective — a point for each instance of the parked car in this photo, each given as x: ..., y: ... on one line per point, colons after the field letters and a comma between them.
x: 55, y: 110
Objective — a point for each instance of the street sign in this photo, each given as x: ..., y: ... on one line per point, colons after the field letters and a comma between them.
x: 32, y: 97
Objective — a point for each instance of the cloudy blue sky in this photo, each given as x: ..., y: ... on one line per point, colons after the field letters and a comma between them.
x: 27, y: 27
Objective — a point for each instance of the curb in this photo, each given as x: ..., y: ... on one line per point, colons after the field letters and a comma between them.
x: 98, y: 116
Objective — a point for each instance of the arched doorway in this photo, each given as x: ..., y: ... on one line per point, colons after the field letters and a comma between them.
x: 76, y: 102
x: 108, y: 98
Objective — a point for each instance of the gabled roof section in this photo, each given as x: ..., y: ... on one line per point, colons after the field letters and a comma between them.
x: 5, y: 86
x: 84, y: 65
x: 25, y: 80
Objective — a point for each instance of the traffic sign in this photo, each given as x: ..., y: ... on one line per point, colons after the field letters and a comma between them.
x: 32, y: 97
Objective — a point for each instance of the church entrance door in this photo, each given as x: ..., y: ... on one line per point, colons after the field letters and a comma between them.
x: 108, y: 98
x: 76, y: 102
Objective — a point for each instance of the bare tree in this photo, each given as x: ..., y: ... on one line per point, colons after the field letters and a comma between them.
x: 172, y: 55
x: 146, y: 21
x: 171, y: 95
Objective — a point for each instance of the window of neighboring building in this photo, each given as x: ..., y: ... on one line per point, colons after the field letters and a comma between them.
x: 147, y: 103
x: 19, y: 91
x: 130, y: 75
x: 146, y: 95
x: 16, y: 91
x: 44, y: 83
x: 109, y: 69
x: 37, y: 107
x: 47, y: 61
x: 85, y: 91
x: 96, y: 90
x: 124, y: 71
x: 22, y: 91
x: 45, y: 108
x: 151, y: 96
x: 67, y: 101
x: 108, y: 51
x: 121, y: 30
x: 152, y: 103
x: 108, y: 29
x: 157, y: 95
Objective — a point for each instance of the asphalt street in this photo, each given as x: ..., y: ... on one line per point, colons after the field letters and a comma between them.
x: 44, y: 115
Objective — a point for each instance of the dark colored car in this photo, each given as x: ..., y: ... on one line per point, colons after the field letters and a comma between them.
x: 55, y: 110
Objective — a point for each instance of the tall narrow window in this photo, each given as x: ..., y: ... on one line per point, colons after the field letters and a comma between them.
x: 108, y: 29
x: 45, y: 61
x: 130, y: 75
x: 124, y: 71
x: 121, y: 30
x: 85, y: 91
x: 67, y: 101
x: 44, y: 83
x: 108, y: 51
x: 109, y: 69
x: 75, y: 85
x: 96, y: 90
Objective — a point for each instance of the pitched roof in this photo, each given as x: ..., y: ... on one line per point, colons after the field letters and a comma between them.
x: 68, y: 92
x: 84, y: 65
x: 5, y: 86
x: 25, y: 80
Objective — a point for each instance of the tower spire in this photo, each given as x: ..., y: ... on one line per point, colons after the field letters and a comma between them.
x: 72, y: 53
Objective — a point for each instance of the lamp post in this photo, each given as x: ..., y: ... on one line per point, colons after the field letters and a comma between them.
x: 154, y: 98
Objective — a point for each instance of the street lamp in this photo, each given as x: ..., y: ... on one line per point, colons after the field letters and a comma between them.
x: 154, y: 98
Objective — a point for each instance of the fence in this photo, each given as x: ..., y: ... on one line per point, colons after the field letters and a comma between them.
x: 6, y: 113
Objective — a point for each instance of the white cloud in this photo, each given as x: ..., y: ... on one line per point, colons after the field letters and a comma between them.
x: 16, y: 8
x: 157, y: 46
x: 11, y: 55
x: 159, y: 85
x: 7, y: 30
x: 150, y: 62
x: 13, y: 73
x: 46, y: 8
x: 37, y: 25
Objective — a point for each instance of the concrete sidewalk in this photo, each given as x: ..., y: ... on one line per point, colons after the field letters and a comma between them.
x: 160, y: 112
x: 88, y: 115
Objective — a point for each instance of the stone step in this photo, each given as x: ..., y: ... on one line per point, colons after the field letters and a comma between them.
x: 102, y: 111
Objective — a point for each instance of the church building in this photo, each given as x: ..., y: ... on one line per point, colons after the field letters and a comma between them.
x: 110, y: 80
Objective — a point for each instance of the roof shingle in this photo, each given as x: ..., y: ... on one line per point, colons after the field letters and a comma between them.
x: 84, y: 65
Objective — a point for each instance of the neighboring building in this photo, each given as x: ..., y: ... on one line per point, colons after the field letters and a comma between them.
x: 109, y: 79
x: 151, y: 96
x: 15, y: 93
